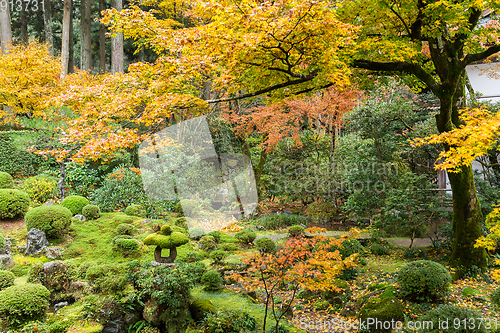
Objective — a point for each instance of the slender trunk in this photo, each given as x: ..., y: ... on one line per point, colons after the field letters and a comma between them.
x: 65, y: 37
x: 62, y: 179
x: 23, y: 21
x: 71, y: 59
x: 117, y: 44
x: 102, y: 39
x: 5, y: 29
x: 86, y: 41
x: 47, y: 24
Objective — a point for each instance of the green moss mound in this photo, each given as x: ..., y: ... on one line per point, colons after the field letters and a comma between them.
x: 246, y: 236
x: 207, y: 243
x: 450, y: 318
x: 196, y: 233
x: 75, y: 203
x: 6, y: 279
x: 126, y: 244
x: 6, y: 180
x: 295, y: 231
x: 13, y: 203
x: 23, y: 303
x: 125, y: 229
x: 384, y: 310
x: 135, y: 210
x: 91, y: 212
x: 201, y: 308
x: 40, y: 188
x: 53, y: 220
x: 423, y: 280
x: 265, y: 245
x: 171, y: 241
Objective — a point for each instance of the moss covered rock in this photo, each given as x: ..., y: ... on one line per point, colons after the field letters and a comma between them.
x: 381, y: 314
x: 13, y: 203
x: 23, y: 303
x: 200, y: 308
x: 75, y: 203
x: 6, y: 180
x: 52, y: 220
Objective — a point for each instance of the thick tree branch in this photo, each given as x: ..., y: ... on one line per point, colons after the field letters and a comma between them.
x: 306, y: 78
x: 470, y: 58
x: 400, y: 66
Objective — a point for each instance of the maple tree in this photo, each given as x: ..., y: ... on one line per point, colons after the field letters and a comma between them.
x: 301, y: 262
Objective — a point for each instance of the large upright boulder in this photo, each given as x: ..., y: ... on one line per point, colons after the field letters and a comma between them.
x: 37, y: 242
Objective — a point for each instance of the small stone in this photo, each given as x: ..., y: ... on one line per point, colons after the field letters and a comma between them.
x: 6, y: 261
x: 288, y: 212
x: 37, y: 241
x: 52, y: 253
x: 21, y: 248
x: 80, y: 217
x: 49, y: 203
x: 59, y: 306
x: 260, y: 227
x: 6, y: 249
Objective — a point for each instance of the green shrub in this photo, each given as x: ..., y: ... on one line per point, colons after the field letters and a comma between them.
x: 13, y: 203
x: 229, y: 247
x: 6, y: 279
x: 278, y: 221
x: 228, y: 321
x: 211, y: 280
x: 423, y: 280
x: 189, y: 207
x: 207, y: 243
x: 196, y: 233
x: 348, y: 247
x: 246, y: 236
x: 75, y: 203
x: 91, y: 212
x: 321, y: 210
x: 20, y: 270
x: 40, y: 188
x: 218, y: 257
x: 201, y: 308
x: 107, y: 278
x: 180, y: 222
x: 2, y: 241
x: 295, y: 231
x: 379, y: 249
x: 6, y: 180
x: 125, y: 229
x: 495, y: 296
x: 455, y: 316
x: 388, y: 309
x: 23, y: 303
x: 136, y: 210
x: 53, y: 220
x: 36, y: 327
x: 126, y: 244
x: 414, y: 253
x: 216, y: 234
x: 265, y: 245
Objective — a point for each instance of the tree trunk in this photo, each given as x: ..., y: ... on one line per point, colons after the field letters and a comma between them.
x: 62, y: 179
x: 71, y: 59
x: 86, y: 41
x: 47, y: 24
x: 5, y: 29
x: 117, y: 44
x: 23, y: 21
x: 102, y: 39
x: 65, y: 37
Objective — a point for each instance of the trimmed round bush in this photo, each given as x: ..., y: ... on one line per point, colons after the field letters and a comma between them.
x: 211, y: 280
x: 13, y: 203
x: 455, y: 316
x: 91, y: 212
x: 495, y: 296
x: 423, y: 280
x: 52, y: 220
x: 23, y: 303
x: 125, y: 243
x: 196, y: 233
x: 125, y: 229
x: 135, y: 210
x: 265, y: 245
x: 75, y: 203
x: 207, y: 243
x: 6, y: 180
x: 218, y: 256
x: 6, y: 279
x: 40, y: 188
x: 246, y: 236
x: 295, y: 231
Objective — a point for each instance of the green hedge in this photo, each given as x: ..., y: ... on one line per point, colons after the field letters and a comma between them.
x: 53, y: 220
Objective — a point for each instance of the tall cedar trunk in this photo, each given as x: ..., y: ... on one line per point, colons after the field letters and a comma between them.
x: 47, y: 25
x: 117, y: 44
x: 23, y: 21
x: 65, y: 37
x: 102, y: 39
x: 86, y: 41
x: 5, y: 29
x: 71, y: 59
